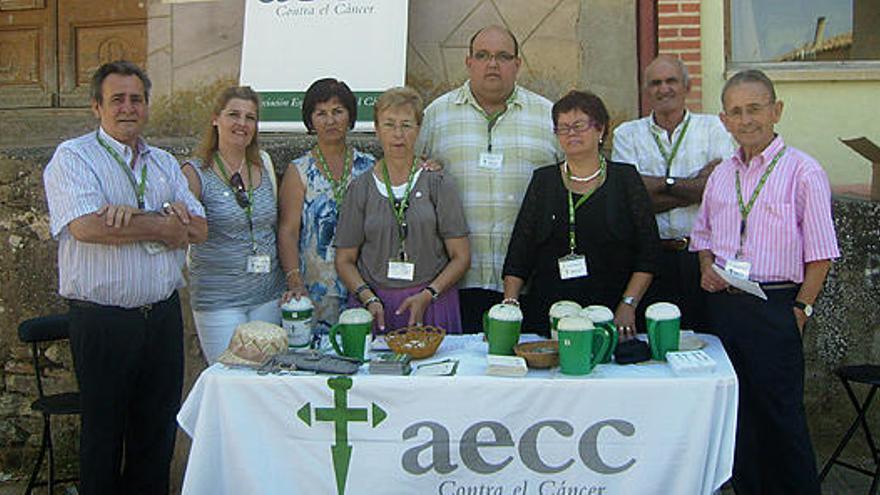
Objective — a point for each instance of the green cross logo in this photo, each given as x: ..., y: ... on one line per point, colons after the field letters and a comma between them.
x: 340, y: 415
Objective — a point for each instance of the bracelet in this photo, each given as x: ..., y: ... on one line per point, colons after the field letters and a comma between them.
x: 291, y: 272
x: 510, y: 300
x: 433, y: 292
x: 374, y: 299
x: 361, y: 288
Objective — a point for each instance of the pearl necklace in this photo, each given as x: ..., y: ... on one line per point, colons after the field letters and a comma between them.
x: 581, y: 179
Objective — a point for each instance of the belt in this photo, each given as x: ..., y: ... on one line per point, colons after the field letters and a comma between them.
x: 677, y: 244
x: 144, y: 309
x: 766, y: 286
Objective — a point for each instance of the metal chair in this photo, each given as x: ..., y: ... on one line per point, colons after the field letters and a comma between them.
x: 37, y: 331
x: 868, y: 375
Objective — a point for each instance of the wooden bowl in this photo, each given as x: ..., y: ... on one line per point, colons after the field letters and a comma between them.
x: 540, y: 354
x: 419, y: 342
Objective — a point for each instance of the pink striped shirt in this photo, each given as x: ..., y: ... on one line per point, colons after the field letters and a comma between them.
x: 790, y: 223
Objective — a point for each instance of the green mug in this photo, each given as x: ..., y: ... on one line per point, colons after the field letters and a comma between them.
x: 354, y: 326
x: 502, y: 324
x: 581, y: 345
x: 664, y: 329
x: 601, y: 316
x: 561, y: 309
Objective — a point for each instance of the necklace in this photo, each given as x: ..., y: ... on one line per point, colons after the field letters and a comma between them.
x: 580, y: 179
x: 240, y: 165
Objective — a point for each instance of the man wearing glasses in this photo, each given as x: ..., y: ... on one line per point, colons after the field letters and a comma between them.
x: 675, y: 150
x: 490, y: 134
x: 765, y: 219
x: 122, y: 214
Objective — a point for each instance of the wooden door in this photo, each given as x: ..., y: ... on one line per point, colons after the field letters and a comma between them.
x: 92, y: 32
x: 49, y: 48
x: 28, y: 75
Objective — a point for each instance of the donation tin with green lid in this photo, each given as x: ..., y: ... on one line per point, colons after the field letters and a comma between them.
x: 296, y: 318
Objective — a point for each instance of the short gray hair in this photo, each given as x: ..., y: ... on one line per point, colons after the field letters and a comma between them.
x: 750, y: 76
x: 677, y: 62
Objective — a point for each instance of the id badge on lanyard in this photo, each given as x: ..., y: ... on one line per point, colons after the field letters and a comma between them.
x: 491, y: 161
x: 572, y: 266
x: 401, y: 270
x: 259, y: 263
x: 738, y: 268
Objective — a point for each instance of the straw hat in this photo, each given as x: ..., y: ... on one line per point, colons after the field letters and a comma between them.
x: 253, y: 343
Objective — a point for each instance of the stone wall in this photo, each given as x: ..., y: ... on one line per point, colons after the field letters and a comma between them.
x: 844, y: 330
x: 565, y: 44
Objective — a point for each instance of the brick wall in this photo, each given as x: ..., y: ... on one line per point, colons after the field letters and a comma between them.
x: 678, y: 34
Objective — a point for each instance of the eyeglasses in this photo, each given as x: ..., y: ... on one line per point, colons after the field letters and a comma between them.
x: 500, y: 57
x: 751, y: 110
x: 241, y: 196
x: 404, y: 126
x: 578, y: 127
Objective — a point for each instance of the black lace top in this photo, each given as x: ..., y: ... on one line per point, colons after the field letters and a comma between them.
x: 615, y: 230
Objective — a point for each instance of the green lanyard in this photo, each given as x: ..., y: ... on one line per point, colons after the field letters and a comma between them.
x: 139, y: 189
x: 745, y: 209
x: 248, y: 211
x: 572, y: 206
x: 669, y: 156
x: 340, y: 185
x: 399, y: 208
x: 493, y: 119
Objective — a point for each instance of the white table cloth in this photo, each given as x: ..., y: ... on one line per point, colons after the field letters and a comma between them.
x: 620, y: 430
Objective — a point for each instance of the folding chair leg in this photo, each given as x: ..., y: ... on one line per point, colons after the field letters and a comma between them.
x: 863, y: 411
x: 43, y: 444
x: 51, y: 478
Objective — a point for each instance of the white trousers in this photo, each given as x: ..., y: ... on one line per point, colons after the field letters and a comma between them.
x: 215, y: 327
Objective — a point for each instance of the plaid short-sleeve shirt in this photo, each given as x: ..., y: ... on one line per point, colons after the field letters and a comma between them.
x: 456, y: 131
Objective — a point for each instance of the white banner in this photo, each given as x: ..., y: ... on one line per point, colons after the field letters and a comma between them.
x: 621, y: 430
x: 288, y: 44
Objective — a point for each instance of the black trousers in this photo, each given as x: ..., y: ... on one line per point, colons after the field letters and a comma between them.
x: 678, y: 282
x: 773, y: 454
x: 472, y: 304
x: 129, y: 365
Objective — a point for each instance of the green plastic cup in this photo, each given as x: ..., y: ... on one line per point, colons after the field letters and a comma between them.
x: 580, y: 345
x: 664, y: 329
x: 601, y: 316
x: 502, y: 324
x: 354, y: 327
x: 559, y: 310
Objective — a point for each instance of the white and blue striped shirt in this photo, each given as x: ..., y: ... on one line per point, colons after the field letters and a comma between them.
x: 82, y: 177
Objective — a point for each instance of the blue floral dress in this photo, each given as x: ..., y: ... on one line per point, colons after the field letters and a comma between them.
x: 317, y: 237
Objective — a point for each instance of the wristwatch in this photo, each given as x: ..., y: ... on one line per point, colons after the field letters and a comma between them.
x: 670, y: 181
x: 629, y: 301
x: 806, y: 308
x: 433, y: 292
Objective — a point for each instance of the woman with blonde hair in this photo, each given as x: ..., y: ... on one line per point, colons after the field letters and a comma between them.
x: 235, y: 276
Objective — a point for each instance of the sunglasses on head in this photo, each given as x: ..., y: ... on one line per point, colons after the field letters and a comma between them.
x: 241, y: 196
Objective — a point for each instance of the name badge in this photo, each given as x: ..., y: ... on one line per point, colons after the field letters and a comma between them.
x: 738, y: 268
x: 155, y: 247
x: 573, y: 266
x: 258, y: 263
x: 491, y: 161
x: 401, y: 270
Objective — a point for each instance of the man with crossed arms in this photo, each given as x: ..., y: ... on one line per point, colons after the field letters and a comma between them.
x: 675, y: 150
x: 765, y: 218
x: 122, y: 214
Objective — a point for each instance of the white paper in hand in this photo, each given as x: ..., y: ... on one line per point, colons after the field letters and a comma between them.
x: 744, y: 285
